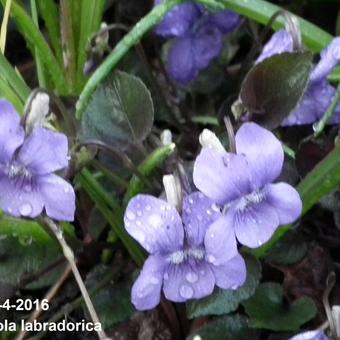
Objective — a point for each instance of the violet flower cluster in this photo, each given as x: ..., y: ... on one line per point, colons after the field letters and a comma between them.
x: 198, y: 38
x: 194, y: 249
x: 27, y: 165
x: 320, y: 92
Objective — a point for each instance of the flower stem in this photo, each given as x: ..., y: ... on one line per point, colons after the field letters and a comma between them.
x: 69, y: 255
x: 328, y: 114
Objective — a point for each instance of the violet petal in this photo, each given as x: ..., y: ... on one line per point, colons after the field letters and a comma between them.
x: 11, y: 132
x: 263, y: 151
x: 44, y: 151
x: 189, y: 280
x: 197, y: 214
x: 154, y: 223
x: 285, y: 200
x: 146, y: 290
x: 231, y: 274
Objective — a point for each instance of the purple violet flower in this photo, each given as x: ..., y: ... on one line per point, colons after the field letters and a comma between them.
x: 183, y: 251
x: 311, y: 335
x: 320, y: 92
x: 198, y: 38
x: 27, y: 163
x: 242, y: 185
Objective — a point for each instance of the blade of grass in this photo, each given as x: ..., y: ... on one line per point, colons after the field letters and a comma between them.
x: 14, y: 80
x: 36, y: 40
x: 4, y: 24
x: 68, y: 44
x: 90, y: 18
x: 112, y: 212
x: 38, y: 63
x: 10, y: 95
x: 50, y: 14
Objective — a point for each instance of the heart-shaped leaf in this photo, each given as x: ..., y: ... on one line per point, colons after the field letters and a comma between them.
x: 119, y: 113
x: 274, y: 87
x: 267, y: 309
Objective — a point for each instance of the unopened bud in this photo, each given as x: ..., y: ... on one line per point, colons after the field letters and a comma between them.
x: 173, y: 190
x: 36, y: 116
x: 209, y: 140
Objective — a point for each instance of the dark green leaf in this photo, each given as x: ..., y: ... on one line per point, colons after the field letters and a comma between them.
x: 120, y: 111
x: 291, y: 249
x: 273, y: 88
x: 268, y: 310
x: 226, y: 301
x: 111, y: 300
x: 226, y: 328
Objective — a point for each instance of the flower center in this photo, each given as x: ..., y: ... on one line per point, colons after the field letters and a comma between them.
x: 15, y: 169
x: 183, y: 255
x: 253, y: 198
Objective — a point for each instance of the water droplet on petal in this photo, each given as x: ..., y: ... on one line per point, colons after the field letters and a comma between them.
x: 139, y: 223
x: 155, y: 221
x: 191, y: 277
x: 234, y: 287
x: 211, y: 258
x: 148, y: 207
x: 259, y: 243
x: 199, y: 217
x: 186, y: 291
x: 191, y: 201
x: 209, y: 212
x: 139, y: 213
x: 26, y: 209
x: 66, y: 190
x: 212, y: 235
x: 130, y: 215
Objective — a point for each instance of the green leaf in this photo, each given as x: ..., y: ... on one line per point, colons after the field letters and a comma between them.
x: 225, y: 301
x: 273, y: 88
x: 289, y: 250
x: 120, y: 111
x: 225, y: 328
x: 111, y: 300
x: 267, y: 309
x: 25, y: 247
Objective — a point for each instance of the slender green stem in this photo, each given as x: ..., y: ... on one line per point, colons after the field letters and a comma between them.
x: 39, y: 65
x: 130, y: 40
x: 328, y: 114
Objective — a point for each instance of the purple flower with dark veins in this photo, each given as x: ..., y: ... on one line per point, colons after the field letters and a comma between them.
x: 320, y: 92
x: 198, y: 38
x: 27, y: 165
x: 242, y: 185
x: 311, y: 335
x: 186, y: 257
